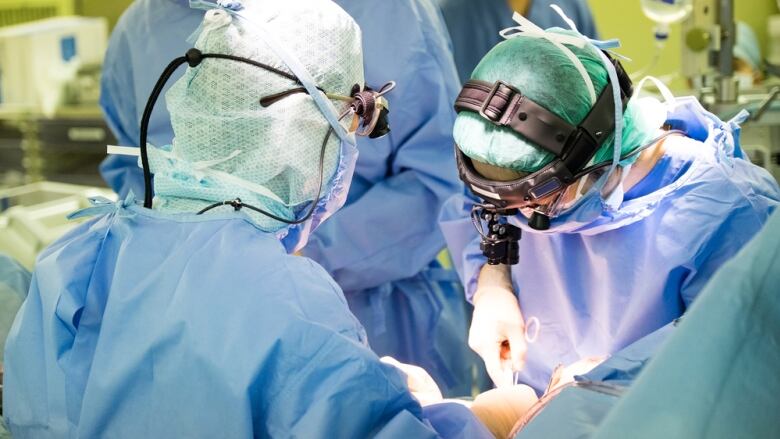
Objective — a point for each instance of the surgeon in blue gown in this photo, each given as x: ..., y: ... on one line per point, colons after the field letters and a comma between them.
x: 474, y: 25
x: 193, y: 318
x: 14, y: 284
x: 629, y: 250
x: 381, y: 248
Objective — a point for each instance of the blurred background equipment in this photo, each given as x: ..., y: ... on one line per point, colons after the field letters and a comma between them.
x: 50, y: 63
x: 666, y: 12
x: 66, y: 147
x: 51, y: 127
x: 722, y: 65
x: 34, y: 215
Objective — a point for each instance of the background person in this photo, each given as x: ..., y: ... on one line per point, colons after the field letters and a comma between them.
x: 474, y: 25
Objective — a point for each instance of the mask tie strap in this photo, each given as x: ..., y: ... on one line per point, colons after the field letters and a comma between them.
x: 614, y: 83
x: 530, y: 30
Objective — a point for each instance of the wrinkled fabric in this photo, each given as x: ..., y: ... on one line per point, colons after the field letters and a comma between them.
x: 711, y: 376
x: 622, y: 367
x: 474, y: 25
x: 454, y: 420
x: 578, y: 409
x: 380, y: 246
x: 716, y: 377
x: 133, y: 328
x: 14, y: 284
x: 574, y: 412
x: 416, y: 320
x: 605, y: 284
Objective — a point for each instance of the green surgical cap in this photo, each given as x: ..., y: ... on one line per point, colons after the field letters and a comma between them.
x: 541, y: 71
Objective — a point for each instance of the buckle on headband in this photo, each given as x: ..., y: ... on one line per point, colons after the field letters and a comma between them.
x: 497, y: 102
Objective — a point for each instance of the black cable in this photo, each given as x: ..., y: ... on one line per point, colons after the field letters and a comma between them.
x: 237, y: 203
x: 166, y: 75
x: 593, y: 168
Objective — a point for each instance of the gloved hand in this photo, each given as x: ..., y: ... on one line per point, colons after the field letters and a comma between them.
x: 497, y: 331
x: 420, y: 383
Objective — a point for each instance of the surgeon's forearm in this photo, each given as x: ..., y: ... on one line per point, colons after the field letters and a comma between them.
x: 492, y: 277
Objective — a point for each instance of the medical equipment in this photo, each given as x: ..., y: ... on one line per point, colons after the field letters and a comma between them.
x: 49, y: 85
x: 761, y: 132
x: 48, y: 63
x: 66, y: 147
x: 709, y: 35
x: 574, y: 146
x: 13, y: 12
x: 666, y: 13
x: 35, y: 215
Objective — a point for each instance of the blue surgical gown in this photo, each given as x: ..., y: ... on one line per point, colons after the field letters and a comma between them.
x: 380, y: 247
x: 14, y: 284
x: 144, y: 324
x: 577, y: 409
x: 605, y: 285
x: 713, y: 376
x: 474, y: 25
x: 716, y: 377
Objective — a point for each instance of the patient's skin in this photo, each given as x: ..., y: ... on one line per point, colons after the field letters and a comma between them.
x: 500, y: 409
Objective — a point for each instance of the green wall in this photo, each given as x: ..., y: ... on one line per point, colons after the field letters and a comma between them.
x: 110, y: 9
x: 615, y: 18
x: 624, y: 19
